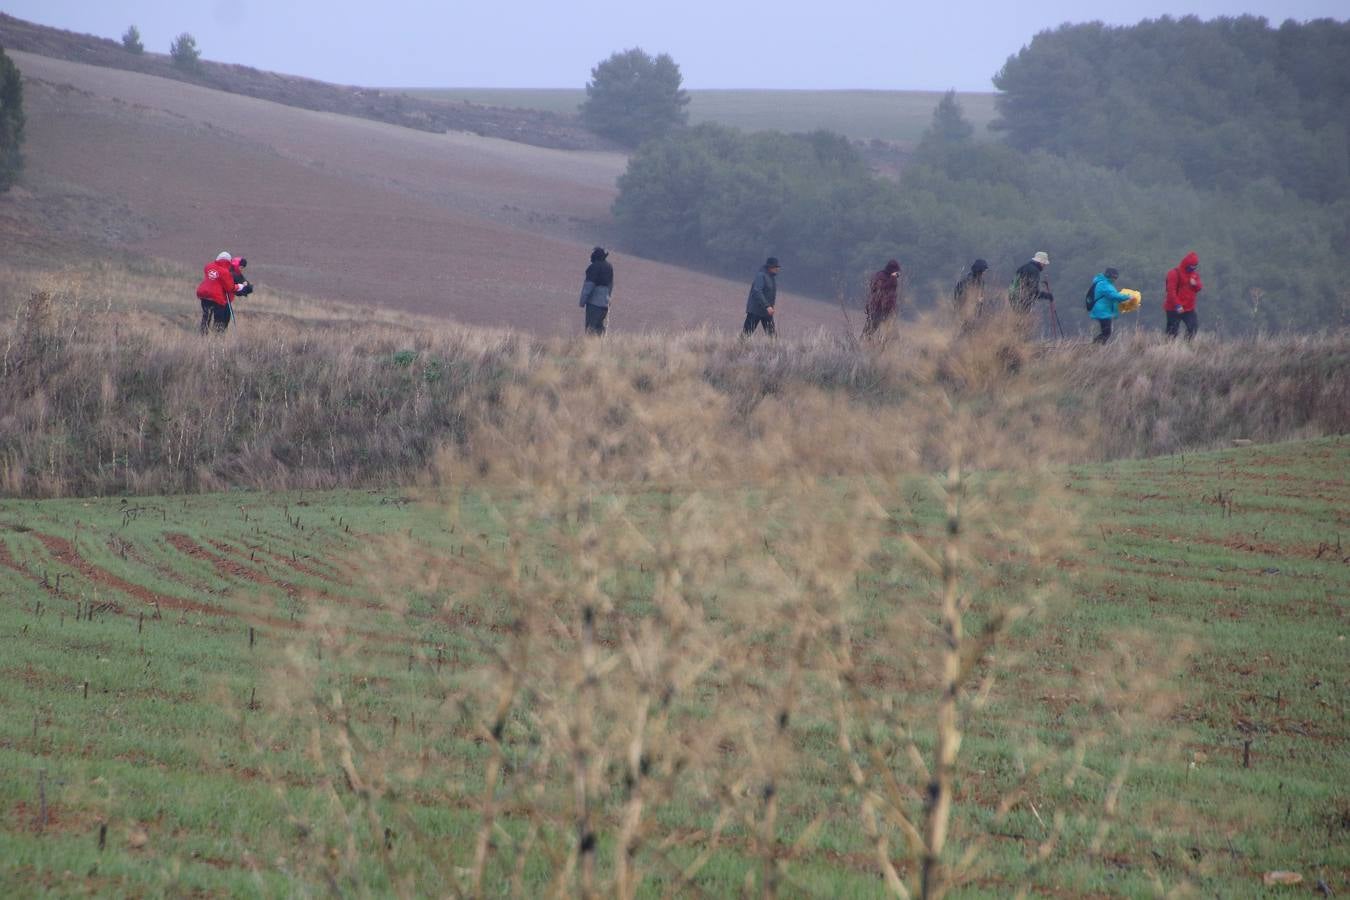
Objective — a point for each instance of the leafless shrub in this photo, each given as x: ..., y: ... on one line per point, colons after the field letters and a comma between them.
x: 701, y: 559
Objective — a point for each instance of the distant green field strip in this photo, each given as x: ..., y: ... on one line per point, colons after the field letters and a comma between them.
x: 862, y: 115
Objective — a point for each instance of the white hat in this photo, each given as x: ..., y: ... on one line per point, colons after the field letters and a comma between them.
x: 1041, y: 257
x: 224, y: 254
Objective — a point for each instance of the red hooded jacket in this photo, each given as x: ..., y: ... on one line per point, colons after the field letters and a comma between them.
x: 218, y: 283
x: 1182, y: 286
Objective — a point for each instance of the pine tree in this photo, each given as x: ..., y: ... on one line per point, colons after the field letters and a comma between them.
x: 185, y: 54
x: 949, y: 122
x: 131, y: 41
x: 632, y: 97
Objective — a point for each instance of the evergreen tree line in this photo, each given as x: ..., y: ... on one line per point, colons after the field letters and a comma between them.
x: 1271, y: 248
x: 11, y: 121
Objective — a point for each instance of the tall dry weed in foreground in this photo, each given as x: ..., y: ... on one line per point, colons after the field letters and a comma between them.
x: 718, y: 614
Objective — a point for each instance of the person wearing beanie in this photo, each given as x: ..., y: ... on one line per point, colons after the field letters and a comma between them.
x: 883, y: 295
x: 968, y: 296
x: 1106, y: 302
x: 760, y: 305
x: 1183, y: 284
x: 1030, y: 284
x: 596, y: 291
x: 216, y: 293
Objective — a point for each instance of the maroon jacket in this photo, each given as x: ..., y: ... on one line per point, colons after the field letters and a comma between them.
x: 1182, y: 286
x: 883, y: 291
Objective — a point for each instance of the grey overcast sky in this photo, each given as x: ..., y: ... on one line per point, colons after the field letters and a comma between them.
x: 874, y: 44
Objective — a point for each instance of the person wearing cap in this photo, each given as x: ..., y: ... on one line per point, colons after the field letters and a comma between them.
x: 242, y: 288
x: 596, y: 291
x: 1030, y: 284
x: 1183, y: 284
x: 968, y: 296
x: 1106, y: 302
x: 759, y: 306
x: 883, y: 294
x: 217, y: 292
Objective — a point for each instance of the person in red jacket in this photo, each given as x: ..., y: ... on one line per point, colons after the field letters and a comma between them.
x: 883, y: 294
x: 216, y: 292
x: 1183, y: 283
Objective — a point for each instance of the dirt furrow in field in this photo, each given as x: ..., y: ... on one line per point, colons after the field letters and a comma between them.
x: 64, y: 552
x: 8, y: 562
x: 227, y: 567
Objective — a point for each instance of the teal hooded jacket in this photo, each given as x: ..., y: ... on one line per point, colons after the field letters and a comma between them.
x: 1106, y: 299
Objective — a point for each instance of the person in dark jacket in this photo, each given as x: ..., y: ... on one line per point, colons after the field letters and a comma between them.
x: 883, y: 294
x: 968, y: 297
x: 1183, y: 284
x: 597, y: 290
x: 242, y: 287
x: 1030, y: 284
x: 759, y: 306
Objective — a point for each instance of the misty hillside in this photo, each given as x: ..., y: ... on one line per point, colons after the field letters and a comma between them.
x: 474, y: 229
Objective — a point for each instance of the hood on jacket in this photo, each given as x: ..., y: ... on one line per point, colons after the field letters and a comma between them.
x: 1190, y: 259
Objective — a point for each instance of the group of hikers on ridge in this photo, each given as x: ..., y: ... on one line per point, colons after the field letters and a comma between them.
x: 223, y: 280
x: 1104, y: 302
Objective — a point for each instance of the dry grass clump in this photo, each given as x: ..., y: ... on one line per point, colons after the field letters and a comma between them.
x: 1153, y: 396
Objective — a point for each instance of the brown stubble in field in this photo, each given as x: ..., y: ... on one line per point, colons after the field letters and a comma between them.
x: 480, y: 231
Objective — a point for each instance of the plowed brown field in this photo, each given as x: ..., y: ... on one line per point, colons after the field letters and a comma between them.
x: 474, y: 229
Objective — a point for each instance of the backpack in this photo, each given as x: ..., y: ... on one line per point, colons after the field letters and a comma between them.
x: 1091, y: 297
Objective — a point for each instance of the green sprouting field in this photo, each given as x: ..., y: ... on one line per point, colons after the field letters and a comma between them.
x: 858, y: 114
x: 252, y: 694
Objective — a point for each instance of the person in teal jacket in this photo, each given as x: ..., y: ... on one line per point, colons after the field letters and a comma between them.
x: 1106, y: 302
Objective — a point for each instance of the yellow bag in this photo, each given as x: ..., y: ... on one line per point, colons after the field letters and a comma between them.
x: 1131, y: 304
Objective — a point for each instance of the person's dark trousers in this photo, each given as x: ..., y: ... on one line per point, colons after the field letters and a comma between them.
x: 752, y: 320
x: 1105, y: 334
x: 1174, y: 320
x: 214, y: 312
x: 595, y: 319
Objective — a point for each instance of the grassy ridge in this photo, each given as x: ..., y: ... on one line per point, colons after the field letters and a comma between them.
x: 862, y: 115
x: 213, y: 759
x: 107, y: 397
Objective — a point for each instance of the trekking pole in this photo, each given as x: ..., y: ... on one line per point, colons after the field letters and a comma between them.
x: 1059, y: 329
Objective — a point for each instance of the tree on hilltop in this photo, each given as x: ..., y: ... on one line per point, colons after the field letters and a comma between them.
x: 949, y: 136
x: 949, y: 122
x: 11, y: 121
x: 131, y: 41
x: 184, y: 52
x: 633, y: 97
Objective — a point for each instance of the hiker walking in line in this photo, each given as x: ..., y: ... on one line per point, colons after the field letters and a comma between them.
x: 217, y: 292
x: 597, y: 290
x: 1029, y: 284
x: 968, y: 296
x: 1106, y: 302
x: 759, y: 306
x: 883, y: 295
x: 1183, y: 283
